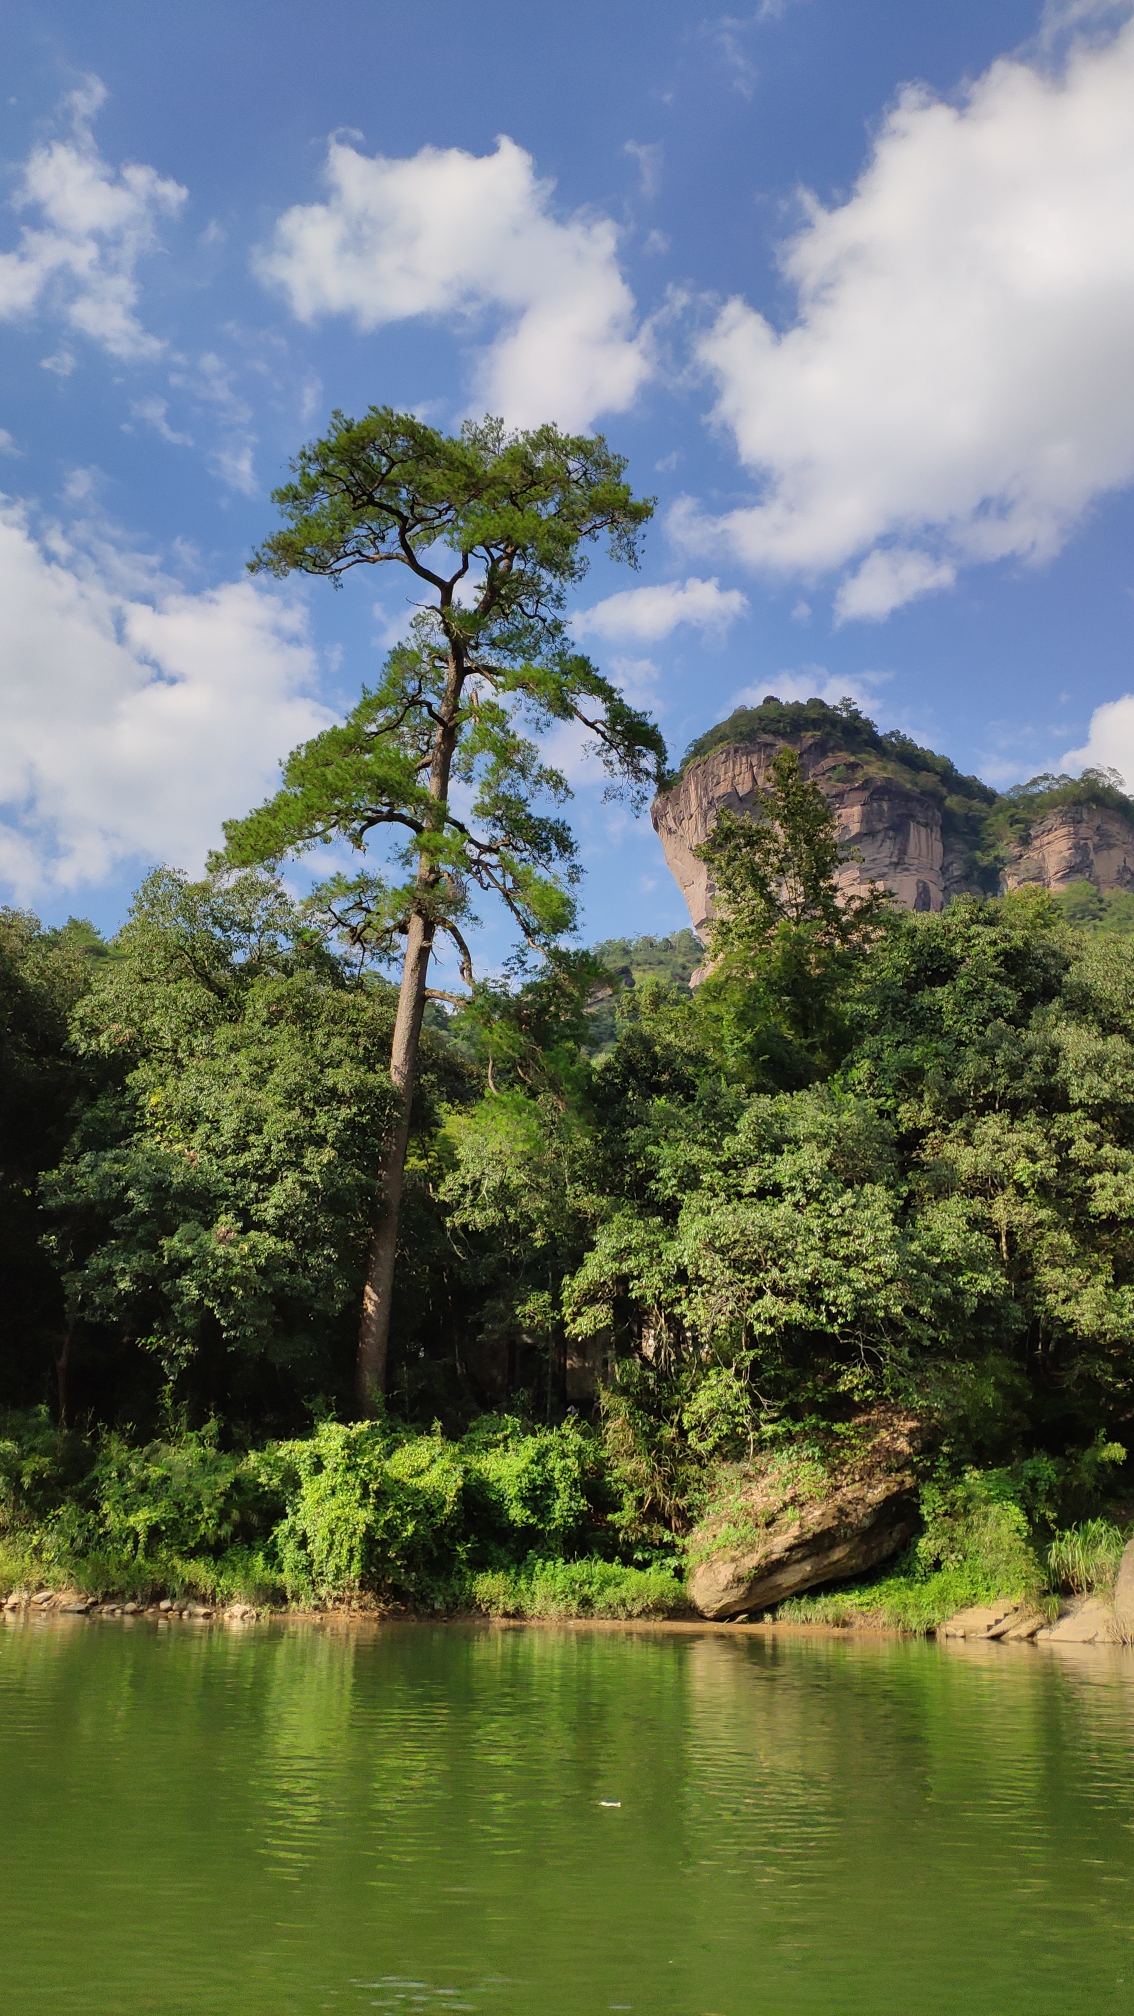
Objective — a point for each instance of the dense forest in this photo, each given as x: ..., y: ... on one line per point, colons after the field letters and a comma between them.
x: 652, y: 1237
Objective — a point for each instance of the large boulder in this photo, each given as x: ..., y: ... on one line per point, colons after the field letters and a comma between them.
x: 1085, y: 1620
x: 797, y: 1521
x: 1124, y: 1596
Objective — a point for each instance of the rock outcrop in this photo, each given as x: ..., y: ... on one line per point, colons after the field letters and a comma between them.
x: 895, y: 831
x: 1124, y: 1596
x: 1006, y: 1619
x: 906, y: 817
x: 1085, y: 1620
x: 789, y: 1525
x: 1075, y: 843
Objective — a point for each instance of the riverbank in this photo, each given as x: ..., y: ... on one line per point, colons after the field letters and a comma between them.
x: 1081, y: 1620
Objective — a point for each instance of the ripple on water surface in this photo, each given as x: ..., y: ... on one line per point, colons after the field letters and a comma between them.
x: 553, y: 1822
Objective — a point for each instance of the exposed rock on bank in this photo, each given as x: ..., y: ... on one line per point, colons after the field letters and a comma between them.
x: 795, y: 1523
x: 74, y: 1603
x: 1082, y: 1620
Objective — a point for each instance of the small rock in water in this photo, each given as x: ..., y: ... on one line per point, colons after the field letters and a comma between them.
x: 43, y: 1596
x: 130, y: 1609
x: 165, y: 1604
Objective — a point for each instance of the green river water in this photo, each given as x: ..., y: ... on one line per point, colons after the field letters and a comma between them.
x: 283, y: 1820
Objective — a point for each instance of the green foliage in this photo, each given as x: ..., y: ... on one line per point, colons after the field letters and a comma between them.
x: 182, y: 1514
x: 562, y: 1589
x: 43, y: 1087
x: 632, y: 962
x: 373, y: 1510
x: 215, y: 1202
x: 1085, y: 1559
x: 672, y: 959
x: 1087, y: 909
x: 974, y: 1526
x: 783, y: 940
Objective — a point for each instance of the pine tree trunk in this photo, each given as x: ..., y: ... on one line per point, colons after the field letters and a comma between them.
x: 374, y: 1328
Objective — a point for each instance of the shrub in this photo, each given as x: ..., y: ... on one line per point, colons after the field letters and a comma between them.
x: 368, y: 1512
x: 548, y: 1485
x: 372, y: 1510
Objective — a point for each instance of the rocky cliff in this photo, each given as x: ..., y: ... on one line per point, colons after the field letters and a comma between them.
x: 907, y: 817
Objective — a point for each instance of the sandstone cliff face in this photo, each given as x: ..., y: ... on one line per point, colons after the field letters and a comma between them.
x: 895, y: 830
x: 893, y: 827
x: 1076, y: 843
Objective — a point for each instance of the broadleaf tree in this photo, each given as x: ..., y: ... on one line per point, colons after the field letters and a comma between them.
x: 784, y: 937
x: 492, y: 527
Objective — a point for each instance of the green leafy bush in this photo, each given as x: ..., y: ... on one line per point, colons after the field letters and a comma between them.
x: 369, y: 1512
x: 374, y: 1510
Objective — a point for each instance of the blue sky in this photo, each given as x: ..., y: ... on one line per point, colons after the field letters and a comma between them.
x: 851, y: 287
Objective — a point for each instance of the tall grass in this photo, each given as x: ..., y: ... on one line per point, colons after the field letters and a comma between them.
x: 1085, y: 1558
x: 552, y: 1589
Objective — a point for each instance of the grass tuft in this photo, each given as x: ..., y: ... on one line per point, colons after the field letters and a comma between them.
x: 578, y: 1589
x: 1085, y: 1558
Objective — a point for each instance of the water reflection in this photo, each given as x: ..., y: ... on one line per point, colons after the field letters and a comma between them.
x: 510, y: 1820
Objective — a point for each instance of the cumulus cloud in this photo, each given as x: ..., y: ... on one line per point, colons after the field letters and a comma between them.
x: 1110, y: 741
x: 92, y: 226
x: 450, y: 234
x: 137, y: 716
x: 887, y: 578
x: 956, y: 386
x: 645, y: 615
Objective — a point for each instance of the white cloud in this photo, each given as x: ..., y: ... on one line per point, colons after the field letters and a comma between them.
x: 212, y: 384
x: 958, y: 378
x: 93, y: 225
x: 153, y: 412
x: 650, y: 157
x: 637, y: 679
x: 645, y: 615
x: 445, y: 233
x: 1110, y: 741
x: 888, y: 578
x: 134, y: 722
